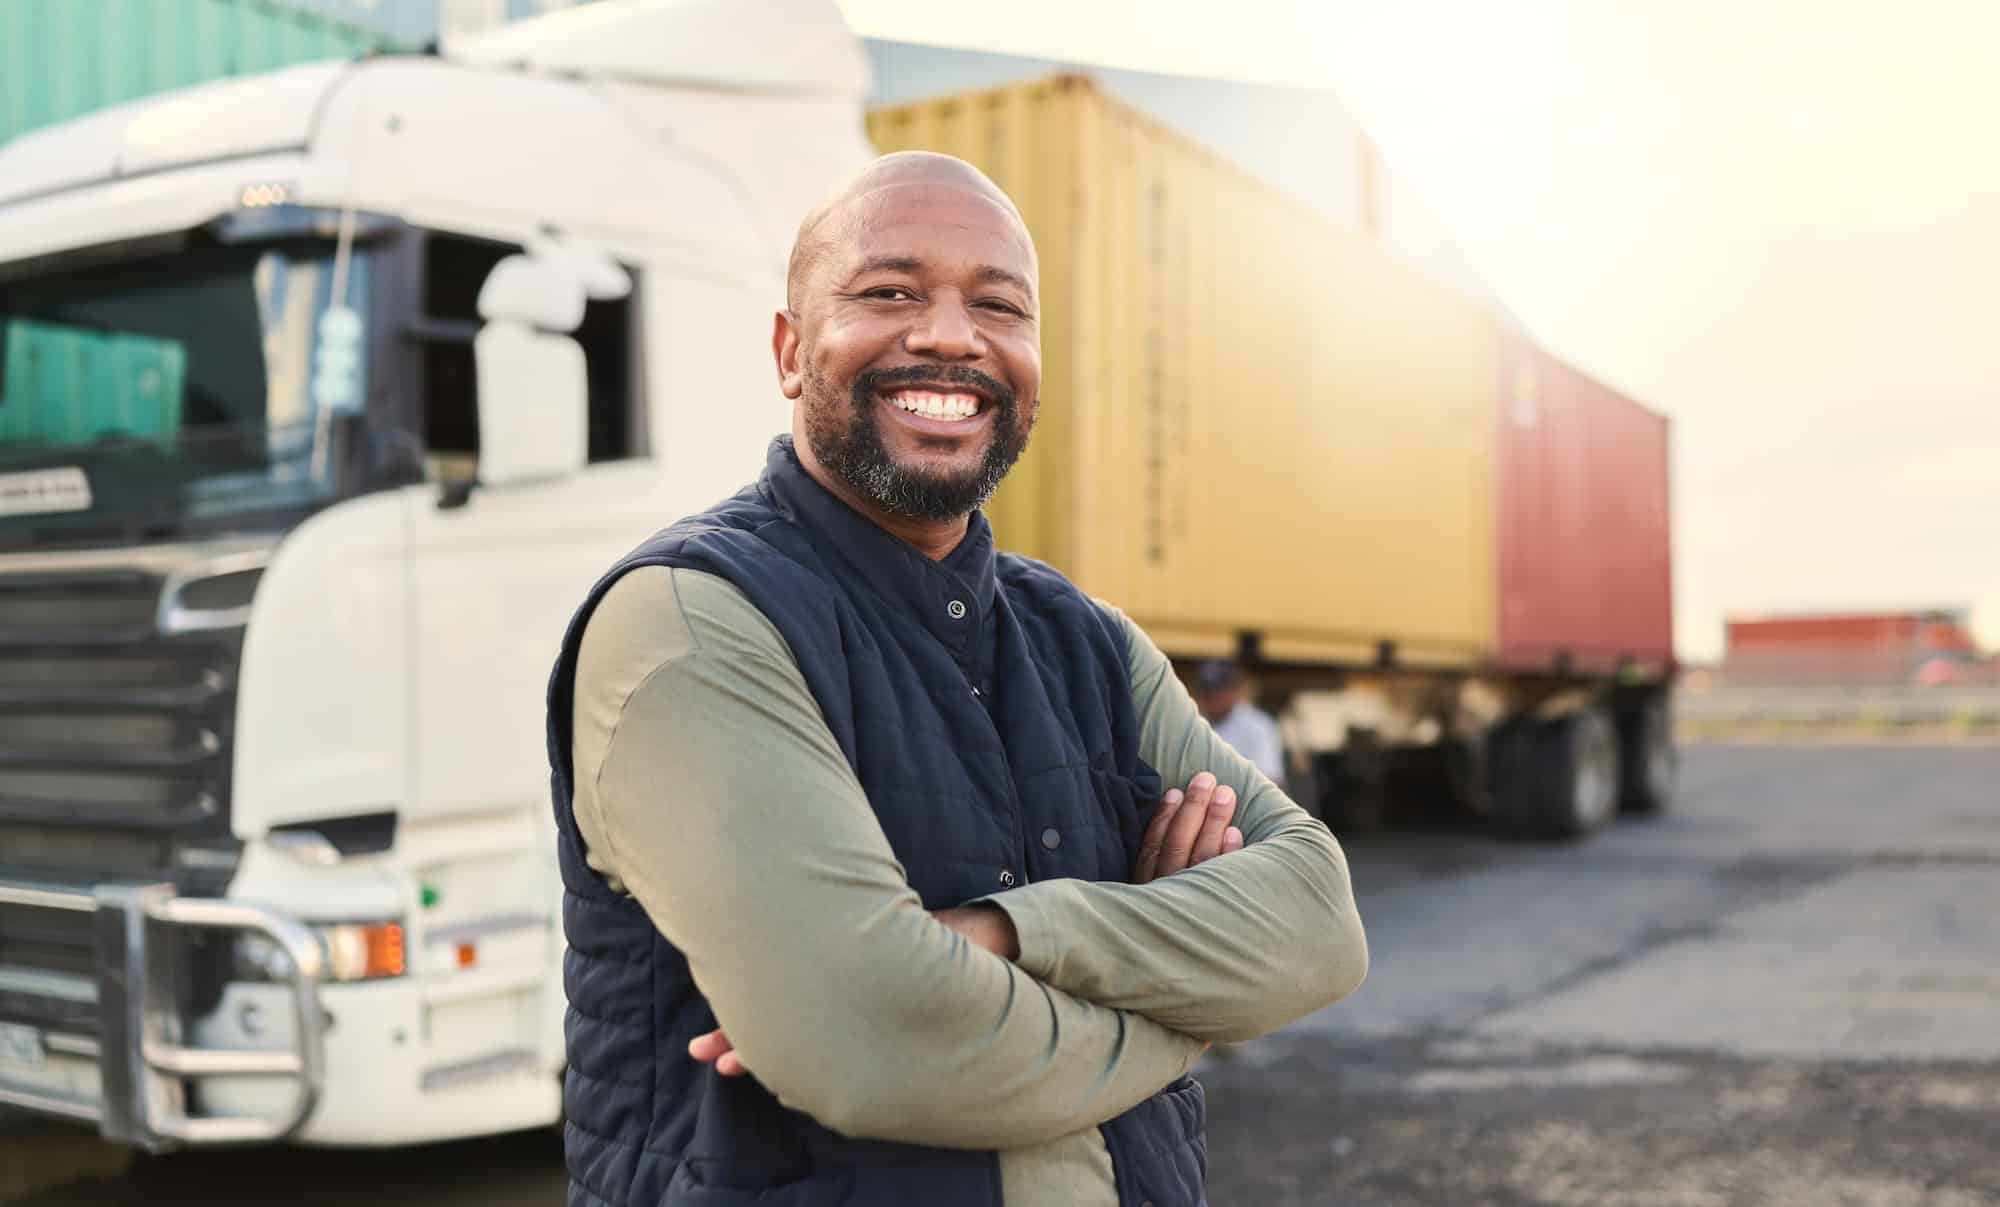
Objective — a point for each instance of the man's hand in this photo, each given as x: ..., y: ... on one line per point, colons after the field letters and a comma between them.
x: 982, y: 925
x: 1188, y: 828
x: 715, y: 1048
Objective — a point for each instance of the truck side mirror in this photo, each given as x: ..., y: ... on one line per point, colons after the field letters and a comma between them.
x: 534, y: 415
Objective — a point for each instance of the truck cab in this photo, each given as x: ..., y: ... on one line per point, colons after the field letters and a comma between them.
x: 324, y: 397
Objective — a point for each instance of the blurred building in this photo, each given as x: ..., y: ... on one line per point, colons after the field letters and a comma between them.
x: 1935, y: 646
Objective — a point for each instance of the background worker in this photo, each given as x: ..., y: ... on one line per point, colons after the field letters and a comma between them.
x: 1249, y: 730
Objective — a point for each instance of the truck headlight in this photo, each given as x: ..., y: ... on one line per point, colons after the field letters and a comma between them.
x: 362, y: 951
x: 349, y: 951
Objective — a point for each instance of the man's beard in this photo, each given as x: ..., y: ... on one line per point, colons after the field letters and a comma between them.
x: 856, y: 453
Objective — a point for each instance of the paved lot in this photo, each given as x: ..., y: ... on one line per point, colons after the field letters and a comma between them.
x: 1787, y: 992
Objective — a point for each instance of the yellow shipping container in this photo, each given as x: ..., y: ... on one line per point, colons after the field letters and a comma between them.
x: 1252, y: 420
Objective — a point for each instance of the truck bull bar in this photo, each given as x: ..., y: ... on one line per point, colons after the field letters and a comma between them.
x: 142, y: 1067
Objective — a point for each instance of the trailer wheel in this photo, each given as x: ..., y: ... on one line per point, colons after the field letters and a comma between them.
x: 1646, y: 747
x: 1352, y: 784
x: 1557, y: 778
x: 1437, y: 785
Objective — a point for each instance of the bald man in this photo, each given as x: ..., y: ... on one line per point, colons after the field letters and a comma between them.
x: 874, y: 897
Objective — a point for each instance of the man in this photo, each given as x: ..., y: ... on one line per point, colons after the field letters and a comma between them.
x: 868, y: 900
x: 1249, y: 730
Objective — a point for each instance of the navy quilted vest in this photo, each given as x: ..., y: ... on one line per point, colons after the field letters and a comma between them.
x: 983, y: 702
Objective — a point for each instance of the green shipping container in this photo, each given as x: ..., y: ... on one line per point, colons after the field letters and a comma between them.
x: 63, y: 386
x: 63, y: 58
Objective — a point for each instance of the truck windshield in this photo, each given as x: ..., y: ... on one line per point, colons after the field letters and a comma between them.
x: 140, y: 397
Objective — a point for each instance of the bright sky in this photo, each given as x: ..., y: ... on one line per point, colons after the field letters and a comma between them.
x: 1776, y: 220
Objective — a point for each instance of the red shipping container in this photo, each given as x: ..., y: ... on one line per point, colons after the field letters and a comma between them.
x: 1586, y: 566
x: 1887, y: 631
x: 1938, y: 631
x: 1867, y: 647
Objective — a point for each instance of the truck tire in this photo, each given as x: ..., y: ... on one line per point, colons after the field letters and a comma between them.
x: 1437, y: 785
x: 1557, y: 778
x: 1650, y: 763
x: 1351, y: 784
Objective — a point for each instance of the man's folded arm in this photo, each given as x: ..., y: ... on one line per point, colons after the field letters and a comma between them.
x: 720, y: 800
x: 1227, y: 950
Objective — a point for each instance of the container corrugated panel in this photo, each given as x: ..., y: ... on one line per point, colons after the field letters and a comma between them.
x: 1251, y: 420
x: 63, y: 385
x: 1586, y: 575
x: 63, y: 58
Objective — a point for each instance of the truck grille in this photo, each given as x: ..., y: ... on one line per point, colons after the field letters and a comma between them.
x: 46, y: 958
x: 115, y: 739
x: 104, y: 720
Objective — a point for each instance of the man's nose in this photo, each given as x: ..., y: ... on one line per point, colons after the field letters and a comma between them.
x: 946, y: 331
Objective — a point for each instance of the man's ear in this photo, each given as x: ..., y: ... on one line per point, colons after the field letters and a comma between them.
x: 785, y: 350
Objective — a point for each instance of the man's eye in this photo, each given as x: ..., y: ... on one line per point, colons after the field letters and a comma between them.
x: 890, y: 293
x: 1002, y: 307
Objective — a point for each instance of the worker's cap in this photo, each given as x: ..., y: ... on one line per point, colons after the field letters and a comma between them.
x: 1217, y: 674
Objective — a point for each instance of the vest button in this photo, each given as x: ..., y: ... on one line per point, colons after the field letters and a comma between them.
x: 956, y: 608
x: 1051, y: 839
x: 1006, y: 878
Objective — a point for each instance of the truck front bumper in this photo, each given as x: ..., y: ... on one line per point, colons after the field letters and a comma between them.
x: 131, y: 1077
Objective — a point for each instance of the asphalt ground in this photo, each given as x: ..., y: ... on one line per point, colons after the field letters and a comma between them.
x: 1786, y: 991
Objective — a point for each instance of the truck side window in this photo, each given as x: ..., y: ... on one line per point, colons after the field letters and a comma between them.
x: 454, y: 268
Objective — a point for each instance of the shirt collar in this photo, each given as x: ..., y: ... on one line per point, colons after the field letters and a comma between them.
x: 952, y: 597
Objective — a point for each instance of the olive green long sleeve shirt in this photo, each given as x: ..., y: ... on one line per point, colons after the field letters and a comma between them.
x: 708, y: 786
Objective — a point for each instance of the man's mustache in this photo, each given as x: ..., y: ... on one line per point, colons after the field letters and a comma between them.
x: 871, y: 380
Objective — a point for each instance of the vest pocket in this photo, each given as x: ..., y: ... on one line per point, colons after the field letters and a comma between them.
x: 1189, y: 1104
x: 1161, y: 1147
x: 1128, y: 800
x: 886, y: 1175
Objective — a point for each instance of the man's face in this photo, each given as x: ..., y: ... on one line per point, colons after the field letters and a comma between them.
x: 914, y: 348
x: 1217, y: 702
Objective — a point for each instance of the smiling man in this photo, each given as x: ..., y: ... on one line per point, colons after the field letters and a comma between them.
x: 873, y: 897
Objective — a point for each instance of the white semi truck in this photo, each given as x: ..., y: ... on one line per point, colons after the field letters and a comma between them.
x: 324, y: 395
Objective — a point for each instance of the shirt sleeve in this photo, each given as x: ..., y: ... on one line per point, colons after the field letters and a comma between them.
x: 1228, y: 950
x: 710, y: 787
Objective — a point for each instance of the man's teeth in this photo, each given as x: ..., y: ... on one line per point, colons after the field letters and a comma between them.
x: 937, y: 406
